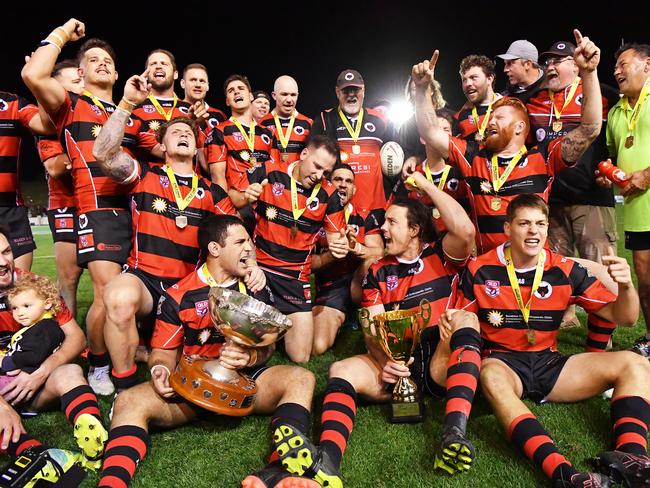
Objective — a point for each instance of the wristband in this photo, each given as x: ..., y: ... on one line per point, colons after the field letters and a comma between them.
x: 47, y: 42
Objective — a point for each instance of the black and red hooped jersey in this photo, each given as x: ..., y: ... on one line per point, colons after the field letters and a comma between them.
x: 226, y: 144
x: 467, y: 126
x: 79, y: 121
x: 485, y: 290
x: 401, y: 285
x: 216, y: 117
x: 15, y: 115
x: 160, y: 247
x: 533, y: 174
x: 281, y: 248
x: 60, y: 191
x: 297, y: 139
x: 151, y: 119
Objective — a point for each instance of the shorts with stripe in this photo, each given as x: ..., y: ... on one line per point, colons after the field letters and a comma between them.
x: 62, y: 224
x: 103, y: 235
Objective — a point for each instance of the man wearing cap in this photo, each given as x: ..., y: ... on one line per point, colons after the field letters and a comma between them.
x: 261, y: 104
x: 582, y: 213
x: 522, y: 69
x: 360, y: 133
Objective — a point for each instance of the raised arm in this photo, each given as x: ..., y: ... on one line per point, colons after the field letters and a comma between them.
x: 425, y: 112
x: 37, y: 72
x: 576, y: 142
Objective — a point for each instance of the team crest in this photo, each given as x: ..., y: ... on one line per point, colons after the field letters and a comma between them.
x: 355, y: 229
x: 370, y: 127
x: 417, y: 269
x: 299, y: 130
x: 544, y: 290
x: 452, y: 184
x: 470, y: 119
x: 96, y: 110
x: 307, y: 292
x: 266, y: 139
x: 391, y: 282
x: 486, y: 186
x: 148, y: 109
x: 213, y: 122
x: 3, y: 105
x: 540, y: 134
x: 200, y: 193
x: 492, y: 288
x: 277, y: 189
x: 62, y: 210
x: 129, y: 122
x: 495, y: 318
x: 201, y: 308
x: 238, y: 137
x: 164, y: 181
x: 159, y: 205
x: 321, y: 233
x: 579, y: 99
x: 184, y: 110
x: 154, y: 125
x: 524, y: 162
x: 313, y: 205
x: 83, y: 221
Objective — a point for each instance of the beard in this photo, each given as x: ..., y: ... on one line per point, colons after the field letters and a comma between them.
x: 496, y: 143
x: 161, y: 85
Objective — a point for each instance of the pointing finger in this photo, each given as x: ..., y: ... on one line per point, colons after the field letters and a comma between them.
x: 578, y: 36
x: 434, y: 58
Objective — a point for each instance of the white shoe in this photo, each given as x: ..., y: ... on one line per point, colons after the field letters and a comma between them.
x: 100, y: 381
x: 607, y: 394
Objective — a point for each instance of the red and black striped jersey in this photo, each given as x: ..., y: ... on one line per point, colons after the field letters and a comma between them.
x: 226, y: 145
x: 151, y: 119
x: 284, y: 245
x: 215, y: 118
x: 297, y: 139
x: 402, y: 285
x: 376, y: 131
x: 467, y: 126
x: 183, y: 318
x: 160, y: 247
x: 15, y: 115
x: 7, y: 323
x: 79, y: 121
x: 533, y: 174
x: 485, y: 290
x: 60, y: 191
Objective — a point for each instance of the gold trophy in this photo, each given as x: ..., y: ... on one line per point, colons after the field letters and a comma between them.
x: 245, y: 321
x: 397, y: 333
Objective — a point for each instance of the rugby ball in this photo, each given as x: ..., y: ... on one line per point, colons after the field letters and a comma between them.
x: 392, y: 159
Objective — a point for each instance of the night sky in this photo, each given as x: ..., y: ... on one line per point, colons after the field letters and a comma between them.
x: 379, y: 39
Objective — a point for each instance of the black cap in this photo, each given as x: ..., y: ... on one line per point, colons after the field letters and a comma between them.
x: 349, y: 77
x: 261, y: 94
x: 559, y: 48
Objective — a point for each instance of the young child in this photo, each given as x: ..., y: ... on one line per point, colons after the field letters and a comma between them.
x: 34, y: 300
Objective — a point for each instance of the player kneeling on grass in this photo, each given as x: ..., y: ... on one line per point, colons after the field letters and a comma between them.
x: 35, y: 376
x: 417, y: 266
x: 184, y: 327
x: 520, y: 291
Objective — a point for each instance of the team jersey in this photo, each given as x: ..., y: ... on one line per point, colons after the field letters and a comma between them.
x: 376, y: 130
x: 183, y: 318
x: 402, y: 285
x: 297, y: 139
x: 32, y: 345
x: 534, y: 173
x: 160, y: 247
x: 7, y: 323
x: 467, y: 126
x: 151, y: 118
x: 284, y: 245
x: 485, y: 290
x: 226, y: 144
x: 15, y: 115
x: 576, y: 185
x: 60, y: 191
x: 78, y: 121
x: 348, y: 264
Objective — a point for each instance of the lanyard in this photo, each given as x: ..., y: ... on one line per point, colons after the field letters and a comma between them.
x: 181, y: 202
x: 212, y: 282
x: 499, y: 181
x: 514, y: 284
x: 354, y: 133
x: 161, y: 111
x: 567, y: 100
x: 486, y: 118
x: 284, y: 136
x: 96, y: 101
x: 297, y: 212
x: 636, y: 112
x: 250, y: 138
x: 443, y: 176
x: 347, y: 212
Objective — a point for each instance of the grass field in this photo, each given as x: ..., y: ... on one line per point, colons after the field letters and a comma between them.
x: 219, y: 452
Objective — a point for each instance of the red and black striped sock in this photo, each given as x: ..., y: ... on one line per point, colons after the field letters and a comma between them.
x: 528, y: 435
x: 292, y: 414
x: 125, y: 380
x: 599, y: 332
x: 97, y: 360
x: 78, y: 401
x: 25, y: 441
x: 126, y: 447
x: 339, y: 412
x: 463, y: 371
x: 631, y: 417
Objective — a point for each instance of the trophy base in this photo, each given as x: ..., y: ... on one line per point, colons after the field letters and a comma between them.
x: 192, y: 382
x: 406, y: 412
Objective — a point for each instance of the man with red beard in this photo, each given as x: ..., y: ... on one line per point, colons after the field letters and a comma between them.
x: 504, y: 167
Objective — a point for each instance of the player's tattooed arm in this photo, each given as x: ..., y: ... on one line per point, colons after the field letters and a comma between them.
x: 576, y: 142
x: 114, y: 162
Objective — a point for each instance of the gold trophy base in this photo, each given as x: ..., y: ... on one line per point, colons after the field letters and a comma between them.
x: 407, y: 406
x: 232, y: 394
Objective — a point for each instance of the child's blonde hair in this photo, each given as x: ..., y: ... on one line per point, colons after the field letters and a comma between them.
x: 42, y: 286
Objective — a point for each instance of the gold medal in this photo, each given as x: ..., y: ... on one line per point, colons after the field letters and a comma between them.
x: 557, y: 126
x: 495, y: 203
x: 285, y: 157
x: 294, y: 231
x: 530, y: 335
x: 629, y: 142
x: 478, y: 137
x: 253, y: 160
x: 436, y: 213
x: 356, y: 149
x: 181, y: 221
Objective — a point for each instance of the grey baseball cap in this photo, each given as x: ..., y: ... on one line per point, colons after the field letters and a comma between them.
x: 521, y: 49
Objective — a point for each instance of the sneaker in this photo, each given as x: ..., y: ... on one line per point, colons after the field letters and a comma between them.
x: 628, y: 469
x: 456, y: 453
x: 641, y: 346
x: 300, y: 457
x: 58, y: 462
x: 585, y: 480
x: 99, y: 380
x: 91, y: 436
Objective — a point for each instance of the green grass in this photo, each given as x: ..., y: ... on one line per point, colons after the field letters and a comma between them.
x: 220, y: 452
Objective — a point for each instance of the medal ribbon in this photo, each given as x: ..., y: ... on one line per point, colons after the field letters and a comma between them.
x: 297, y: 212
x: 514, y: 284
x: 284, y: 136
x: 475, y: 116
x: 499, y: 181
x: 161, y: 111
x: 347, y: 212
x: 181, y: 202
x: 250, y: 138
x: 443, y: 177
x: 96, y: 101
x: 354, y: 133
x: 636, y: 112
x: 212, y: 282
x: 567, y: 100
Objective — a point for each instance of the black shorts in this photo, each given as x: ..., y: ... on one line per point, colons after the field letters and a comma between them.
x: 637, y: 241
x: 21, y: 239
x: 334, y: 294
x: 61, y: 222
x: 290, y: 295
x: 156, y: 287
x: 103, y: 235
x: 424, y: 351
x: 538, y: 371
